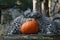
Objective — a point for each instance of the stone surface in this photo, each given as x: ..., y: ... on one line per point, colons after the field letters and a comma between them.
x: 28, y: 37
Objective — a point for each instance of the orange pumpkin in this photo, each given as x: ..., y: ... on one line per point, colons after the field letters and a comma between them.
x: 30, y: 27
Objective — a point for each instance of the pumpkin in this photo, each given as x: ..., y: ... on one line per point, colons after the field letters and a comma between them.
x: 30, y: 27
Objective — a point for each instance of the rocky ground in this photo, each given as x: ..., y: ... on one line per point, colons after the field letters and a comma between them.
x: 3, y: 36
x: 20, y: 37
